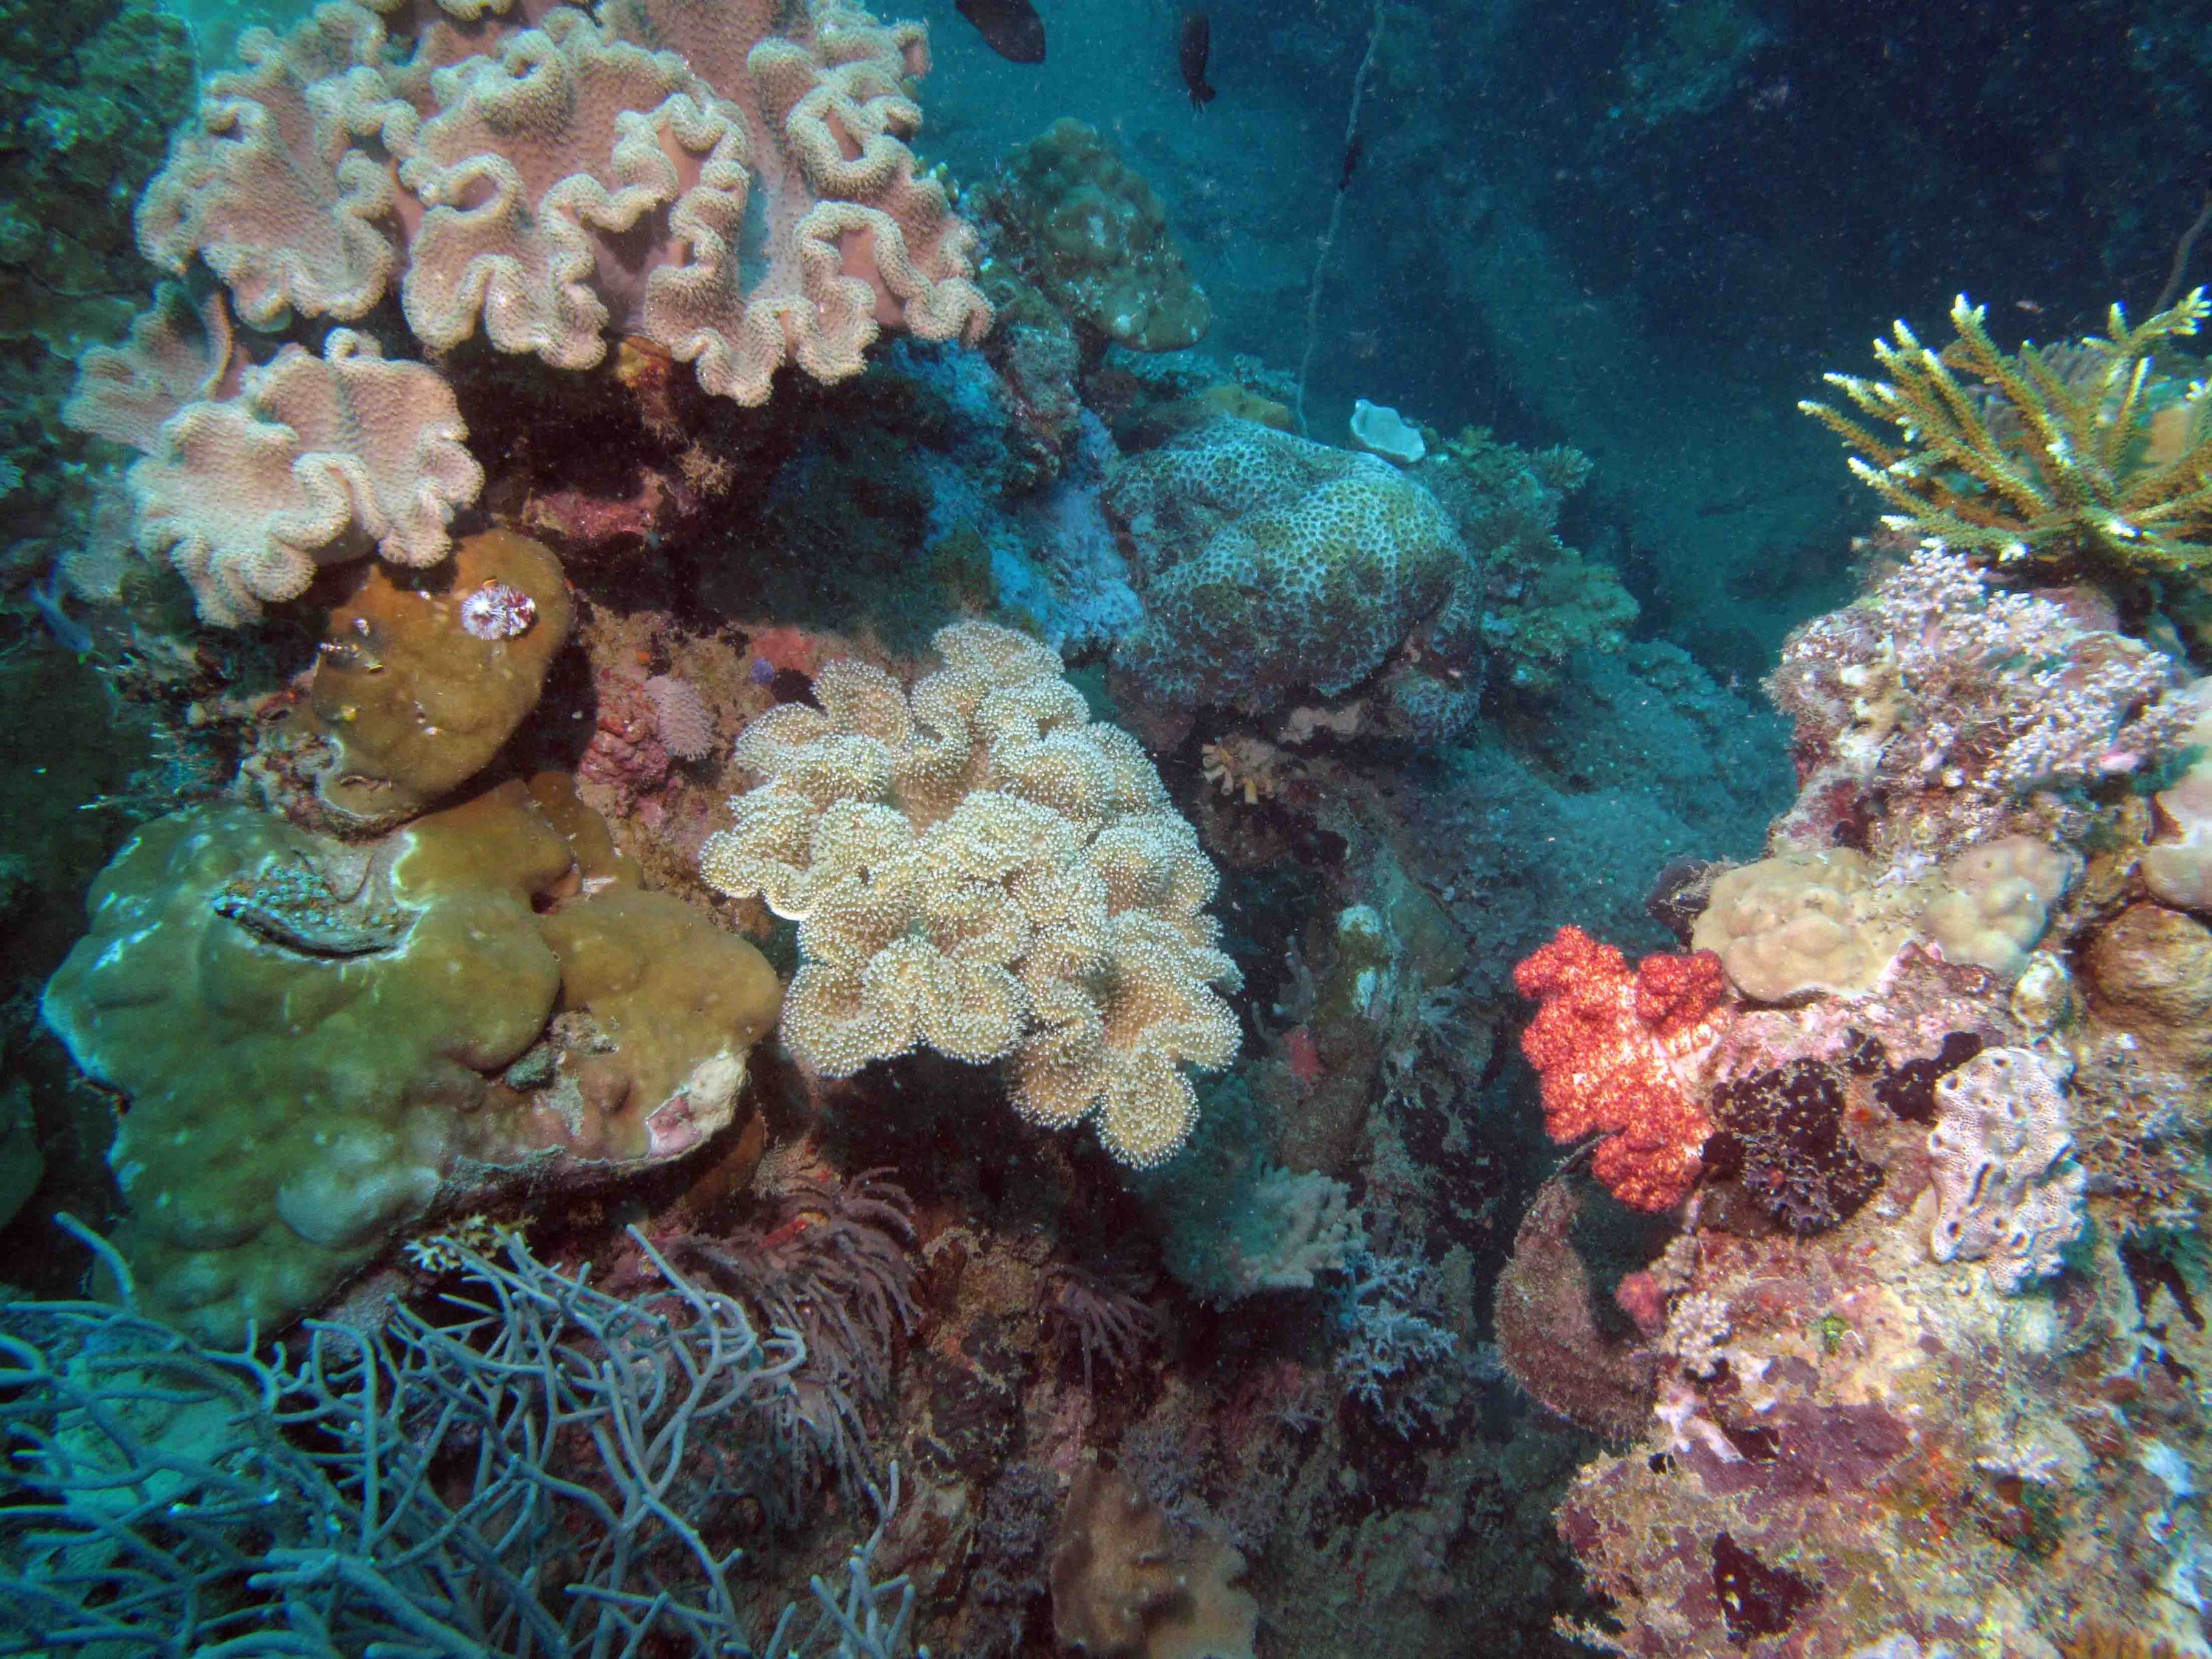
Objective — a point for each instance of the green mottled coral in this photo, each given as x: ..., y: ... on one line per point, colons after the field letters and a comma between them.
x: 1093, y: 237
x: 2083, y: 452
x: 1275, y: 568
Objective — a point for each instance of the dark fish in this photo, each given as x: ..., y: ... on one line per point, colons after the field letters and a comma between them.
x: 1196, y: 44
x: 1010, y: 28
x: 1354, y: 147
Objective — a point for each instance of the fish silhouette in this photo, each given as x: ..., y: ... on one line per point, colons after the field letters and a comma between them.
x: 1191, y: 53
x: 1010, y: 28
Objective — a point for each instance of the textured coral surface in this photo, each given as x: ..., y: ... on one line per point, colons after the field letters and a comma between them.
x: 978, y: 868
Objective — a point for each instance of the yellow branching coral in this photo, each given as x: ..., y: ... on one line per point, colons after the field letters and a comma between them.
x: 2082, y: 450
x: 977, y: 867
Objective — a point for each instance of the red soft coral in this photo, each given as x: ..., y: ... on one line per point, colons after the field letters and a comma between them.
x: 1621, y: 1052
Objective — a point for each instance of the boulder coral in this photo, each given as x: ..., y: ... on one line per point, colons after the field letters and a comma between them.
x: 1276, y: 567
x: 979, y: 868
x: 318, y: 1043
x: 413, y: 702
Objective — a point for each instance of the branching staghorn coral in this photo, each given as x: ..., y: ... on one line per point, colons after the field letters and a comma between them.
x: 393, y: 1490
x: 2052, y: 453
x: 977, y: 867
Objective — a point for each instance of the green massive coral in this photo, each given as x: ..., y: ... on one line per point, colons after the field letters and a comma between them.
x: 2087, y: 452
x: 318, y: 1041
x: 1278, y: 568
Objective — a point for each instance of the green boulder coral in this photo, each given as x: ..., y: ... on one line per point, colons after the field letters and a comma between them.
x: 320, y: 1042
x: 1276, y: 567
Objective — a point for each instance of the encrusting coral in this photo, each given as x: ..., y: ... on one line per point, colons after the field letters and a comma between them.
x: 320, y: 1042
x: 2006, y: 1186
x: 977, y: 867
x: 2083, y: 451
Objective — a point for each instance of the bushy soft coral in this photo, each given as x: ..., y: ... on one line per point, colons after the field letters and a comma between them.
x: 1619, y: 1053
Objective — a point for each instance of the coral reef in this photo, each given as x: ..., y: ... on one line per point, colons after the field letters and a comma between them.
x: 1915, y: 1310
x: 2081, y: 451
x: 280, y: 1010
x: 978, y: 868
x: 1092, y: 235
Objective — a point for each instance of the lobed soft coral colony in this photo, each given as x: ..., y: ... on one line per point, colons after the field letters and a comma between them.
x: 702, y: 802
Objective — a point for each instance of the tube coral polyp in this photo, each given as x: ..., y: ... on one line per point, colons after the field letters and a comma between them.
x: 1621, y: 1052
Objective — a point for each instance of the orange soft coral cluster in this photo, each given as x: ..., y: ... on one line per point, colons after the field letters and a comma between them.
x: 1618, y: 1052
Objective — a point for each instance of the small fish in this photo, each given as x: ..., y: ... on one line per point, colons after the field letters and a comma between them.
x: 1354, y: 147
x: 1010, y: 28
x: 72, y: 636
x: 1195, y: 46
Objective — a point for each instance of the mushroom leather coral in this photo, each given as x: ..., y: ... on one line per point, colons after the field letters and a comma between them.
x: 732, y: 182
x: 320, y: 1042
x: 313, y: 462
x: 1618, y: 1053
x: 978, y: 868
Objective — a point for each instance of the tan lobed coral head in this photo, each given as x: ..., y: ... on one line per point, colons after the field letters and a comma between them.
x: 1123, y: 1582
x: 1828, y: 923
x: 1802, y: 925
x: 977, y: 867
x: 313, y: 462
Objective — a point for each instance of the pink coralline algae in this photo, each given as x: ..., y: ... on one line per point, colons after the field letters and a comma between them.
x: 1967, y: 702
x: 626, y: 757
x: 730, y: 181
x: 496, y: 611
